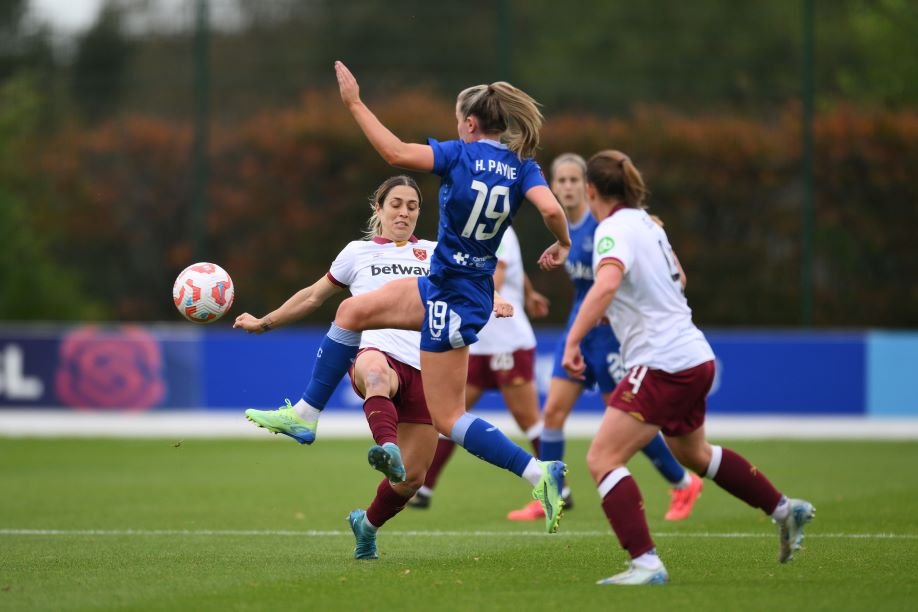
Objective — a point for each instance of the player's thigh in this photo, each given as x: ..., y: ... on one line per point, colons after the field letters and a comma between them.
x: 397, y: 304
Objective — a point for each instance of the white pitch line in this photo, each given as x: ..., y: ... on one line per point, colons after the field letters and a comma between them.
x: 422, y: 534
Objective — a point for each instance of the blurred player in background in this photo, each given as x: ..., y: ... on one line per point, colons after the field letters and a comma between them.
x: 670, y: 367
x: 386, y: 371
x: 600, y: 351
x: 503, y: 359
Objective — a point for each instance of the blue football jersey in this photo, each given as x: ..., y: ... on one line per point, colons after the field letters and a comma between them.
x: 579, y: 264
x: 482, y: 186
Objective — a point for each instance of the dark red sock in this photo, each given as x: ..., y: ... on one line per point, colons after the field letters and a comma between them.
x: 535, y: 446
x: 385, y: 505
x: 382, y: 417
x: 743, y: 480
x: 624, y: 509
x: 445, y: 450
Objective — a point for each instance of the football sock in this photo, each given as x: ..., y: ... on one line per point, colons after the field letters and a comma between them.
x: 385, y: 505
x: 487, y: 442
x: 649, y: 560
x: 551, y: 445
x: 661, y: 457
x: 306, y: 412
x: 624, y: 509
x: 382, y: 417
x: 445, y: 448
x: 781, y: 510
x: 686, y: 481
x: 335, y: 355
x: 741, y: 479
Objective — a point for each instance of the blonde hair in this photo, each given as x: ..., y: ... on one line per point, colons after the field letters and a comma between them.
x: 568, y: 158
x: 378, y: 197
x: 501, y: 107
x: 615, y: 176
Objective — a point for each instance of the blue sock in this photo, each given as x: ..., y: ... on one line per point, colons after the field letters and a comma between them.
x: 661, y: 457
x: 487, y: 442
x: 551, y: 446
x: 335, y: 355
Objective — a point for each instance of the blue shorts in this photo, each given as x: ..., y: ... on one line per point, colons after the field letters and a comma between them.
x: 455, y: 310
x: 600, y: 350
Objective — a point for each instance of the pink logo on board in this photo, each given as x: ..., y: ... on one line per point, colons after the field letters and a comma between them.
x: 111, y: 369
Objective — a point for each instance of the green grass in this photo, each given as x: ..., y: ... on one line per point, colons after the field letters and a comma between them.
x: 252, y: 524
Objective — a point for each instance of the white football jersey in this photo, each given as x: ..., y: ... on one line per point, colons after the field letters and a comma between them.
x: 365, y: 265
x: 649, y: 315
x: 508, y: 334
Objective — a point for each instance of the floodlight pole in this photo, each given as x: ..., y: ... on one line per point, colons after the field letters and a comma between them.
x: 200, y: 161
x: 809, y: 181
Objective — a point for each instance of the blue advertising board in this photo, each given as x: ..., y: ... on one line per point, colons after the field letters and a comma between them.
x: 180, y: 367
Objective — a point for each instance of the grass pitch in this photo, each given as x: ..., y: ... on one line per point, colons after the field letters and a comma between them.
x: 260, y: 525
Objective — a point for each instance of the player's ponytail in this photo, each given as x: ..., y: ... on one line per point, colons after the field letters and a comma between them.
x: 615, y: 176
x: 501, y: 107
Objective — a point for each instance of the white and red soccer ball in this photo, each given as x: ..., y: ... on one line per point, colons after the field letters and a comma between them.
x: 203, y: 292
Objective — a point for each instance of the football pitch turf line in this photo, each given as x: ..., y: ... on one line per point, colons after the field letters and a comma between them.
x: 422, y: 534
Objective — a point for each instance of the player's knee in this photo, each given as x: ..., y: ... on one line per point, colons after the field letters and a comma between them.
x: 376, y: 380
x: 348, y: 314
x: 554, y: 417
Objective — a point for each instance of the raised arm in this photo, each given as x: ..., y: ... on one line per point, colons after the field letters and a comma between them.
x: 300, y: 304
x: 392, y: 149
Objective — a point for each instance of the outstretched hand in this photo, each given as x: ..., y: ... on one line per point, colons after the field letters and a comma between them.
x: 502, y: 308
x: 347, y: 84
x: 536, y: 304
x: 251, y: 324
x: 573, y: 363
x: 554, y: 256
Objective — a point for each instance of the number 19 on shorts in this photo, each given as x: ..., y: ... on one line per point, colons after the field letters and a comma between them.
x: 436, y: 317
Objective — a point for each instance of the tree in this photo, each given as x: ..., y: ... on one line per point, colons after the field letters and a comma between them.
x: 100, y: 66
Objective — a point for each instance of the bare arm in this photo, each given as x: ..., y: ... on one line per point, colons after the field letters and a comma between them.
x: 556, y: 222
x: 536, y: 303
x: 597, y: 300
x: 396, y: 153
x: 300, y: 304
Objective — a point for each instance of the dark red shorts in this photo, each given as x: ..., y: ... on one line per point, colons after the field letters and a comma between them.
x: 674, y: 402
x: 409, y: 400
x: 502, y: 369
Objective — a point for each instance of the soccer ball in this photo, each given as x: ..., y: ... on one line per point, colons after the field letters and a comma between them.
x: 203, y: 292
